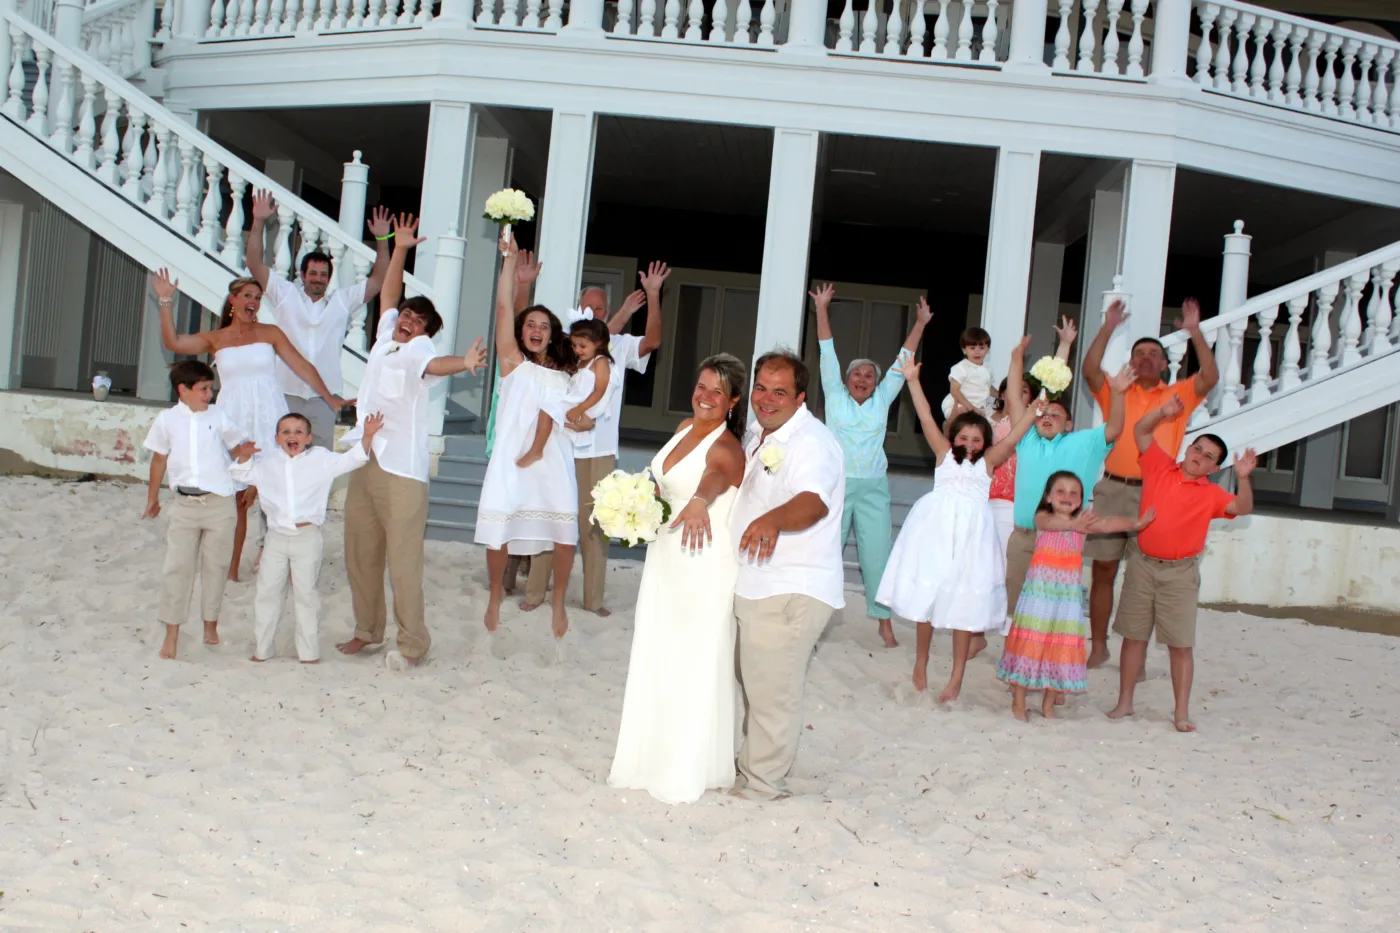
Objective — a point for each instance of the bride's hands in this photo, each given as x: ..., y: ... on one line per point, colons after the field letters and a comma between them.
x: 694, y: 520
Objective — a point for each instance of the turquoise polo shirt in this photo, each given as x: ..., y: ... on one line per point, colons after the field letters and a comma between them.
x: 1080, y: 452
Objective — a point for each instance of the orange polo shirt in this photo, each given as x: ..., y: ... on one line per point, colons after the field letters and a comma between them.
x: 1137, y: 401
x: 1184, y: 507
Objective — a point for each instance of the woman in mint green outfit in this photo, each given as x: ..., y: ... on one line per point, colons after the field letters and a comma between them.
x: 857, y: 412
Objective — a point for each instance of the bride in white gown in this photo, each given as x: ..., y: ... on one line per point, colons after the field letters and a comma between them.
x: 677, y: 734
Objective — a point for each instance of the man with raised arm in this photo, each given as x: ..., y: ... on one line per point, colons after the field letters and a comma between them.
x: 314, y: 316
x: 1119, y: 493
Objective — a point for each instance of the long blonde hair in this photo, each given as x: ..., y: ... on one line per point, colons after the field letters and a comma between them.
x: 234, y: 287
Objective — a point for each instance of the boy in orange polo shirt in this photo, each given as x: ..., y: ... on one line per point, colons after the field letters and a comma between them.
x: 1163, y: 577
x: 1119, y: 492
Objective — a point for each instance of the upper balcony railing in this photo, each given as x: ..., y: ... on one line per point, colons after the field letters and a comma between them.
x: 1217, y: 46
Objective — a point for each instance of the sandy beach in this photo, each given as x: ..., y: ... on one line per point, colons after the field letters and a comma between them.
x: 214, y: 794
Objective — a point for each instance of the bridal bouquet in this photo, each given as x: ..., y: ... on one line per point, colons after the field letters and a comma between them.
x: 627, y: 508
x: 509, y: 206
x: 1051, y: 375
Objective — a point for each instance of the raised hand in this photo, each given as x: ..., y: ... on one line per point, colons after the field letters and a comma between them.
x: 1018, y: 352
x: 922, y: 312
x: 378, y: 222
x: 406, y: 231
x: 1245, y: 462
x: 244, y: 451
x: 1172, y: 407
x: 1145, y: 519
x: 475, y: 357
x: 909, y: 369
x: 694, y: 522
x: 165, y: 287
x: 823, y: 295
x: 633, y: 302
x: 1115, y: 315
x: 1067, y: 330
x: 526, y: 269
x: 1122, y: 380
x: 1084, y: 522
x: 263, y: 205
x: 1190, y: 315
x: 655, y: 276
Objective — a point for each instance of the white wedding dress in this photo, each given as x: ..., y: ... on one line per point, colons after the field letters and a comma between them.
x: 678, y: 729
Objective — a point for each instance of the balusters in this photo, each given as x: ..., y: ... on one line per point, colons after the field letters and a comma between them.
x: 307, y: 22
x: 532, y: 13
x: 341, y: 15
x: 1263, y: 357
x: 282, y: 241
x: 1378, y: 309
x: 939, y: 52
x: 208, y: 237
x: 87, y: 123
x: 1313, y: 80
x: 357, y: 14
x: 694, y: 14
x: 671, y: 28
x: 1363, y: 86
x: 1329, y: 75
x: 766, y: 18
x: 623, y: 26
x: 1381, y: 97
x: 1222, y: 51
x: 1282, y: 30
x: 719, y: 21
x: 323, y: 22
x: 183, y: 218
x: 1176, y: 353
x: 245, y: 18
x: 1239, y: 71
x: 1293, y: 78
x: 894, y: 32
x: 918, y: 28
x: 1346, y: 90
x: 275, y: 17
x: 14, y: 104
x: 111, y: 143
x: 167, y: 20
x: 845, y: 27
x: 128, y: 36
x: 1061, y: 62
x: 159, y: 202
x: 1257, y: 66
x: 1395, y: 95
x: 1349, y: 323
x: 232, y: 254
x: 425, y: 14
x: 1135, y: 41
x: 1320, y: 334
x: 868, y: 27
x: 964, y: 52
x: 355, y: 335
x: 133, y: 156
x: 646, y: 19
x: 216, y: 20
x: 259, y: 23
x: 1204, y: 53
x: 1388, y: 271
x: 310, y: 236
x: 1085, y: 65
x: 38, y: 122
x: 990, y: 33
x: 1230, y: 390
x: 1110, y: 38
x: 148, y: 162
x: 62, y: 136
x: 1288, y: 377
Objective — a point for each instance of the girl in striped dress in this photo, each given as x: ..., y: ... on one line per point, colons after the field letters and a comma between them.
x: 1045, y: 648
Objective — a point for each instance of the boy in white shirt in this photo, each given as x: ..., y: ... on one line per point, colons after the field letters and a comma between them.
x: 294, y: 485
x: 191, y: 442
x: 970, y: 381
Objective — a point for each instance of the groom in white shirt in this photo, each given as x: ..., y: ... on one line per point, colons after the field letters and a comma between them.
x: 787, y: 522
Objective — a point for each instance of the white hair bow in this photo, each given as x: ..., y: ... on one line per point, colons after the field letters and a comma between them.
x: 574, y: 315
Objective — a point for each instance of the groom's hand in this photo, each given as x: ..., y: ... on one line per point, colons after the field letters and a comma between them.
x: 759, y: 539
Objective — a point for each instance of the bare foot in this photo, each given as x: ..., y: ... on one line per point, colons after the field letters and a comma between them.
x: 979, y: 644
x: 560, y: 623
x: 493, y: 615
x: 211, y: 633
x: 529, y: 458
x: 887, y: 633
x: 1120, y: 711
x: 257, y: 659
x: 1018, y: 709
x: 1048, y: 703
x: 317, y: 661
x: 395, y: 661
x: 1098, y: 654
x: 1184, y: 724
x: 527, y: 606
x: 950, y: 691
x: 171, y: 645
x: 602, y: 611
x: 920, y: 679
x: 1059, y: 698
x: 353, y: 646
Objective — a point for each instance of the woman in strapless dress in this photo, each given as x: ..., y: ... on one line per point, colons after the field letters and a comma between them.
x: 243, y: 351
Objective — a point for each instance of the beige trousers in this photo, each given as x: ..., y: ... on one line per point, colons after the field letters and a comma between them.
x: 592, y: 543
x: 776, y: 638
x: 199, y: 537
x: 385, y: 517
x: 298, y: 557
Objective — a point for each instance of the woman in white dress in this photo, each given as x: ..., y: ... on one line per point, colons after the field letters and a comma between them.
x: 526, y: 511
x: 243, y: 351
x: 676, y: 738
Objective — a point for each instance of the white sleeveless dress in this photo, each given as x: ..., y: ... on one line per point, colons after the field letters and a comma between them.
x: 947, y: 566
x: 529, y: 511
x: 249, y: 392
x: 677, y: 735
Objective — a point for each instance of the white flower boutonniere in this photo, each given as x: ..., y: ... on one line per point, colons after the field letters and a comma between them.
x: 771, y: 456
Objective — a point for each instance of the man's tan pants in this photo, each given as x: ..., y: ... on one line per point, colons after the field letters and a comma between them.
x: 199, y: 537
x: 776, y: 638
x: 385, y: 517
x: 592, y: 543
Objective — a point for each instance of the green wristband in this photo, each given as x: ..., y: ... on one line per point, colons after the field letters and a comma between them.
x: 387, y: 236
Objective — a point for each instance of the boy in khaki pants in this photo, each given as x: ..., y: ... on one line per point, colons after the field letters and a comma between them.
x: 192, y: 442
x: 1163, y: 577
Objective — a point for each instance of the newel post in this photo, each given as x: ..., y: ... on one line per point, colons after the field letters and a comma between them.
x: 806, y: 29
x: 451, y: 256
x: 1027, y: 52
x: 1171, y: 39
x: 585, y: 17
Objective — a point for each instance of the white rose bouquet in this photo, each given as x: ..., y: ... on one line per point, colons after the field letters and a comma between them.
x: 509, y: 206
x: 627, y: 508
x: 1052, y: 376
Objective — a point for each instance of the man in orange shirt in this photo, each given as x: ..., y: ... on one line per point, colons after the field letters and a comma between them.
x: 1119, y: 493
x: 1163, y: 578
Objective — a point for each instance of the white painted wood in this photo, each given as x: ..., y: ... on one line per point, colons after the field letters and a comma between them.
x: 564, y: 210
x: 1146, y: 233
x: 445, y: 173
x: 787, y: 237
x: 1006, y: 281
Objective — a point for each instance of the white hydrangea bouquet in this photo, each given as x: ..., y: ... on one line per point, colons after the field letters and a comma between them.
x: 509, y: 206
x: 627, y: 508
x: 1052, y: 376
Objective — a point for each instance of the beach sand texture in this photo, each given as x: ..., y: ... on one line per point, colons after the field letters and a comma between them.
x: 214, y: 794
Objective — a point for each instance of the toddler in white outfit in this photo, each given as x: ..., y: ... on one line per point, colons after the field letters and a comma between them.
x: 970, y: 381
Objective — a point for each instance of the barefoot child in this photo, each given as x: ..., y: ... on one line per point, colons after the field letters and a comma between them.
x: 947, y: 569
x: 970, y: 381
x: 1163, y: 577
x: 294, y: 481
x: 191, y: 442
x: 1045, y: 647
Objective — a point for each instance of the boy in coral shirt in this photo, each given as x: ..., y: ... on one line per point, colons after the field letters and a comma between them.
x: 1163, y: 576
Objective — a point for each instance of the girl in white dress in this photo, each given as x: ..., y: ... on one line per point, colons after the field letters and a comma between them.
x: 947, y: 569
x: 530, y: 510
x: 243, y: 351
x: 676, y: 738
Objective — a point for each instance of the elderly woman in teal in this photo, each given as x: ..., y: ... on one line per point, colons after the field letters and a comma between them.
x: 857, y: 412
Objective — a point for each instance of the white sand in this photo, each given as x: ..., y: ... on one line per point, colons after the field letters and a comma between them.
x: 214, y: 794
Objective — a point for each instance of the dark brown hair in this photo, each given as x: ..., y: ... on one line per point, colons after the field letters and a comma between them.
x: 297, y: 416
x: 1044, y: 504
x: 595, y: 331
x: 785, y: 357
x: 975, y: 420
x: 559, y: 353
x: 423, y: 307
x: 973, y: 337
x: 188, y: 373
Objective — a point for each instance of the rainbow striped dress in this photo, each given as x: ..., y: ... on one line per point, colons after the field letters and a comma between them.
x: 1045, y: 648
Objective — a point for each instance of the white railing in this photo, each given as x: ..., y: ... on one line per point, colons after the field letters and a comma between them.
x: 120, y: 33
x: 1110, y: 40
x: 86, y: 112
x: 938, y: 30
x: 526, y: 15
x: 253, y: 19
x: 1265, y: 56
x: 731, y: 22
x: 1340, y: 335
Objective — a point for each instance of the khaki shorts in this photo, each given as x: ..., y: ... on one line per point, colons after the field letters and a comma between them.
x: 1159, y: 595
x: 1118, y: 500
x: 1019, y: 550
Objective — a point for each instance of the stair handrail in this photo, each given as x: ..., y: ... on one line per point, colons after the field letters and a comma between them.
x: 121, y: 34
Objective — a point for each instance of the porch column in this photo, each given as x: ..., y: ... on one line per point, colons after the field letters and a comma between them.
x: 806, y: 29
x: 447, y: 286
x: 444, y: 183
x: 564, y: 220
x: 1100, y: 270
x: 490, y: 172
x: 193, y: 19
x: 1171, y: 36
x: 787, y: 237
x: 1147, y: 226
x: 11, y: 260
x: 1027, y: 52
x: 1043, y: 308
x: 1006, y: 283
x: 585, y: 18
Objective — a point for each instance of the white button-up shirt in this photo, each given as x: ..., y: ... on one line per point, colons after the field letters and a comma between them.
x: 623, y: 348
x: 294, y: 490
x: 806, y: 562
x: 316, y: 328
x: 396, y: 385
x: 196, y: 446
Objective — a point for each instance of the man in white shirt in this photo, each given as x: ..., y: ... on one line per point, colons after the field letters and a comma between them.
x: 190, y: 443
x: 787, y: 527
x: 596, y: 459
x: 314, y: 318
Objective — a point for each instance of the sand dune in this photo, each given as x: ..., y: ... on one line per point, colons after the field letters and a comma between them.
x: 214, y: 794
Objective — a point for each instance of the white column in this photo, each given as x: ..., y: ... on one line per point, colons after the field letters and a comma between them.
x: 1006, y: 283
x: 354, y: 192
x: 447, y: 288
x: 67, y: 23
x: 490, y: 172
x: 787, y: 236
x: 193, y: 19
x: 585, y: 18
x: 806, y: 29
x: 444, y: 181
x: 564, y: 220
x: 11, y: 256
x: 152, y: 373
x: 1146, y: 233
x: 1027, y: 52
x: 1100, y: 269
x: 1234, y: 272
x: 1043, y: 308
x: 1171, y: 36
